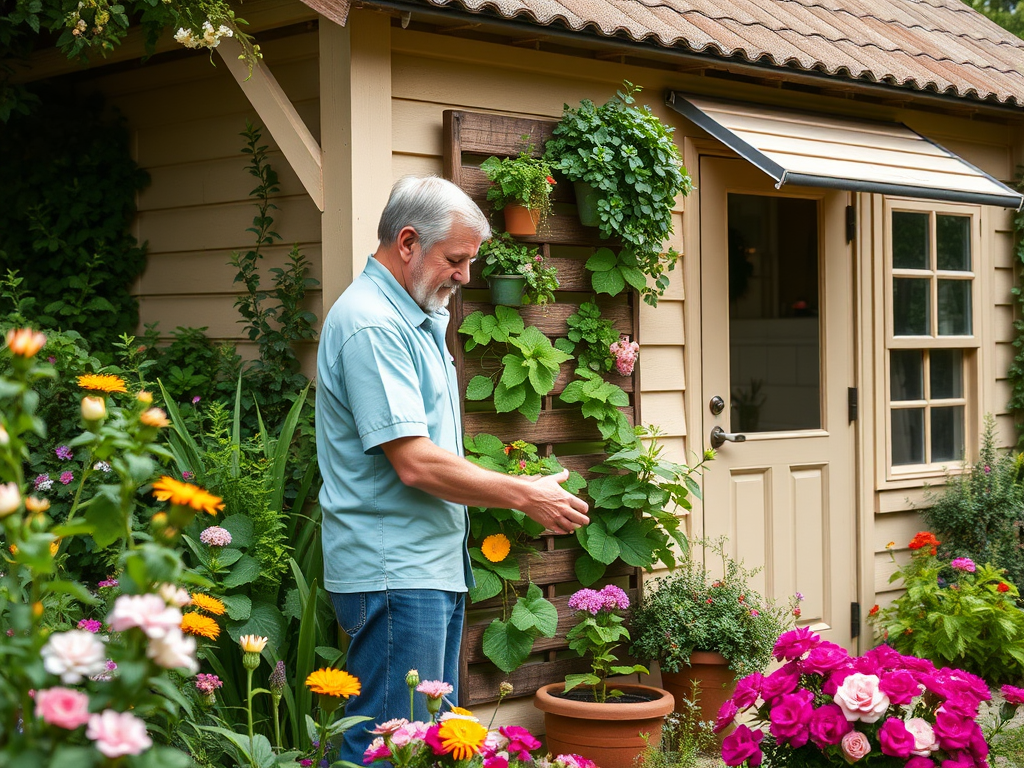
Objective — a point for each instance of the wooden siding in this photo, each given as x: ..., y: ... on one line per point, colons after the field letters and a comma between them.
x: 185, y: 117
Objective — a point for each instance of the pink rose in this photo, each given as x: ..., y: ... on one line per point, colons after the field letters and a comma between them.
x: 795, y: 643
x: 377, y: 750
x: 748, y: 689
x: 520, y: 741
x: 952, y: 730
x: 150, y: 613
x: 825, y: 658
x: 1013, y: 695
x: 855, y: 746
x: 924, y: 736
x: 726, y: 714
x: 895, y: 739
x: 118, y: 733
x: 790, y: 718
x: 742, y: 746
x: 919, y: 762
x: 62, y: 707
x: 829, y: 725
x: 784, y: 680
x: 73, y: 655
x: 900, y: 686
x: 860, y: 698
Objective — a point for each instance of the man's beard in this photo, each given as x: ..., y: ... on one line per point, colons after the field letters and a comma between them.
x: 427, y: 295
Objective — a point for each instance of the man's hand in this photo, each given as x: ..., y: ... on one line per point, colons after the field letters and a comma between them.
x: 552, y: 506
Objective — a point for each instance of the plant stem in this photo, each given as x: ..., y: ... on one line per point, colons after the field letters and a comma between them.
x: 412, y: 700
x: 248, y: 711
x: 277, y: 722
x: 323, y: 739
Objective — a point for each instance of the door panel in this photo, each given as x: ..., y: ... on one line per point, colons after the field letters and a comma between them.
x: 777, y: 347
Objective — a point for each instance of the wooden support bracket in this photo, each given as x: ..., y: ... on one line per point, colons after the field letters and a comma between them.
x: 279, y: 117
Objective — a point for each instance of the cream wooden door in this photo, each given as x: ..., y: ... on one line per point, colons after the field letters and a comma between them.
x: 777, y: 348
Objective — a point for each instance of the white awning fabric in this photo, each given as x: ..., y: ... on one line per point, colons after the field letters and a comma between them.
x: 807, y: 149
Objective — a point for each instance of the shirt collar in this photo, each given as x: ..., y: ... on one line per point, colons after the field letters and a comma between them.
x: 400, y: 298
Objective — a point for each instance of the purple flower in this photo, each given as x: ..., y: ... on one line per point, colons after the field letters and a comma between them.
x: 895, y: 739
x: 742, y: 746
x: 963, y: 564
x: 63, y: 452
x: 614, y: 598
x: 90, y: 625
x: 66, y: 477
x: 795, y: 643
x: 825, y: 658
x: 747, y: 690
x: 215, y: 536
x: 1013, y: 695
x: 900, y: 686
x: 208, y: 683
x: 828, y: 726
x: 107, y: 583
x: 196, y: 399
x: 43, y: 482
x: 588, y: 600
x: 187, y: 475
x: 790, y: 718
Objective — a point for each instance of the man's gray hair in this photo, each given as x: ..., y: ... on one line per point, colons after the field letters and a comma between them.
x: 431, y: 206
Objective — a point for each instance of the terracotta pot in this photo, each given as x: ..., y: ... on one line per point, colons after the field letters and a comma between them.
x: 608, y: 734
x: 520, y: 220
x: 717, y: 683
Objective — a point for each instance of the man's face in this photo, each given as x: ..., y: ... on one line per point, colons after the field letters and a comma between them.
x: 438, y: 273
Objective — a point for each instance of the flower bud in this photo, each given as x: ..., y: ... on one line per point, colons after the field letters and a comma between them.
x: 94, y: 409
x: 155, y: 417
x: 505, y: 688
x: 24, y: 342
x: 144, y: 397
x: 412, y: 678
x: 5, y: 439
x: 36, y: 505
x: 10, y: 499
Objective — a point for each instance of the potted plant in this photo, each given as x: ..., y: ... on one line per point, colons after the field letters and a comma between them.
x: 627, y: 173
x: 707, y: 628
x: 517, y: 273
x: 521, y: 187
x: 583, y: 715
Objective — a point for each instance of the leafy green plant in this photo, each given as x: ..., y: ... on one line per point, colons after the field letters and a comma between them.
x: 980, y: 513
x: 528, y: 368
x: 627, y: 154
x: 592, y: 336
x: 633, y: 512
x: 601, y: 400
x: 522, y: 180
x: 957, y: 614
x: 693, y: 610
x: 504, y: 255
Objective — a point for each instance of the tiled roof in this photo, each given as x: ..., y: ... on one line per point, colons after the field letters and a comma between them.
x: 942, y: 46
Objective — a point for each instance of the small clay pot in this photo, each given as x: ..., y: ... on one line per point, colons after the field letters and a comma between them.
x: 716, y: 683
x: 520, y: 220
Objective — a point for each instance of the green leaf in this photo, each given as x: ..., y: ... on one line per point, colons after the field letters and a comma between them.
x: 574, y: 681
x: 563, y: 344
x: 588, y: 570
x: 264, y: 620
x: 487, y: 585
x: 506, y: 645
x: 603, y: 260
x: 509, y: 319
x: 479, y: 388
x: 507, y: 400
x: 634, y: 277
x: 635, y: 547
x: 329, y: 654
x: 240, y: 528
x: 489, y: 445
x: 515, y: 371
x: 602, y: 547
x: 105, y: 515
x: 531, y: 406
x: 610, y: 282
x: 238, y: 606
x: 245, y: 571
x: 533, y: 613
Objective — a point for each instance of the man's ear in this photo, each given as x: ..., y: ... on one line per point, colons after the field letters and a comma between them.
x: 408, y: 242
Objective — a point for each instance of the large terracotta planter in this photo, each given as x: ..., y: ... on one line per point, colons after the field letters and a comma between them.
x: 717, y: 682
x: 520, y: 220
x: 610, y: 733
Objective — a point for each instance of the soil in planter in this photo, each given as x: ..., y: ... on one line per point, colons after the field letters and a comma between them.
x: 626, y: 698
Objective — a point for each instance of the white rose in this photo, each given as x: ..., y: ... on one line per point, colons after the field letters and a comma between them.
x: 860, y: 699
x: 924, y: 736
x: 74, y: 655
x: 173, y: 595
x: 174, y: 651
x: 10, y: 498
x: 147, y: 612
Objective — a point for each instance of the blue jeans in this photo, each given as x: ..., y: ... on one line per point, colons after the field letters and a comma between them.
x: 392, y: 632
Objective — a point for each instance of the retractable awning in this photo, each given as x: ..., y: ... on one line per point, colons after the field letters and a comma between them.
x: 807, y: 149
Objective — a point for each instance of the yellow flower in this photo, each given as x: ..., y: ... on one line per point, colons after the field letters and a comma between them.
x: 460, y: 711
x: 333, y: 682
x: 197, y: 624
x: 94, y: 408
x: 144, y: 397
x: 54, y: 547
x: 461, y: 738
x: 154, y: 417
x: 24, y: 342
x: 102, y: 382
x: 186, y: 495
x: 890, y: 545
x: 208, y: 604
x: 496, y: 547
x: 252, y: 643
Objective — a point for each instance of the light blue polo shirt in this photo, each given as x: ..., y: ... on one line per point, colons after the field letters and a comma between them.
x: 384, y: 372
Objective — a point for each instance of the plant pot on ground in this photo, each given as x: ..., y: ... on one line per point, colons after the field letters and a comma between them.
x: 517, y: 273
x: 521, y: 187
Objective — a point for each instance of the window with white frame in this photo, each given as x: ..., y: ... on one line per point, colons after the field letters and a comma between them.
x: 931, y: 258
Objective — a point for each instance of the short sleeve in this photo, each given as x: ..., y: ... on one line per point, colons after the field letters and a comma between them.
x: 383, y: 387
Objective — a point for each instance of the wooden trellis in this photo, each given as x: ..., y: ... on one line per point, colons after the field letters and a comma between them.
x: 470, y: 138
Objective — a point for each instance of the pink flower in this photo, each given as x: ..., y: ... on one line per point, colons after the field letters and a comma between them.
x: 147, y: 612
x: 575, y: 761
x: 63, y: 452
x: 919, y: 762
x: 377, y: 750
x: 860, y: 698
x: 625, y: 353
x: 208, y: 683
x: 1013, y: 695
x: 434, y: 689
x: 67, y: 477
x: 107, y: 584
x: 615, y: 599
x: 589, y: 600
x: 952, y: 730
x: 118, y: 733
x: 62, y: 707
x: 726, y: 714
x: 895, y: 739
x: 783, y: 680
x: 73, y: 655
x: 215, y: 536
x: 924, y: 736
x: 742, y: 746
x: 855, y: 746
x: 520, y: 741
x: 495, y: 761
x: 389, y: 726
x: 900, y: 686
x: 790, y: 717
x: 175, y: 650
x: 90, y: 625
x: 747, y: 690
x: 433, y: 740
x: 795, y: 643
x: 828, y: 726
x: 825, y: 658
x: 963, y: 564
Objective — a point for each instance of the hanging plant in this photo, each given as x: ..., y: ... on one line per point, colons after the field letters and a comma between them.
x: 504, y: 256
x: 627, y: 155
x: 521, y: 182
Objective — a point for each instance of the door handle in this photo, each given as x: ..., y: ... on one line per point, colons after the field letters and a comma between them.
x: 719, y: 436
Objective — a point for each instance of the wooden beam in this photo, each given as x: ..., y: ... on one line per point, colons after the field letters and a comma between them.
x: 279, y: 117
x: 355, y: 131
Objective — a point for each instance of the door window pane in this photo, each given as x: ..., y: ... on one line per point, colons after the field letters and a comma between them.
x: 908, y: 436
x: 911, y: 306
x: 953, y: 241
x: 774, y: 336
x: 947, y: 373
x: 954, y: 307
x: 906, y: 374
x: 910, y: 247
x: 948, y: 433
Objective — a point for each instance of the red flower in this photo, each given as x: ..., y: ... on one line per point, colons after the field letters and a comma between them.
x: 925, y: 539
x: 551, y: 180
x: 709, y: 601
x: 1003, y: 587
x: 873, y: 611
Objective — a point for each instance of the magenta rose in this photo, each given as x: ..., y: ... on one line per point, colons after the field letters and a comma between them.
x: 895, y: 739
x: 959, y: 761
x: 900, y: 686
x: 790, y: 717
x: 825, y: 658
x: 783, y: 680
x: 867, y: 665
x: 914, y: 664
x: 855, y: 746
x: 747, y: 690
x: 962, y: 706
x: 726, y: 714
x: 919, y: 762
x: 885, y: 657
x: 835, y: 679
x: 1013, y: 695
x: 828, y: 726
x: 952, y: 731
x: 795, y: 643
x: 978, y: 745
x: 742, y: 745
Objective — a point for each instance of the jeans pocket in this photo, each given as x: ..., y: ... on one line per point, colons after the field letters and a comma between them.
x: 350, y: 610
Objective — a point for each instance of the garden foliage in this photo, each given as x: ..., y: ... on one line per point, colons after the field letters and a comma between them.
x: 504, y: 255
x: 522, y: 180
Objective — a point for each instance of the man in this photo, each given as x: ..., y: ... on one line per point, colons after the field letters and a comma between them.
x: 389, y: 441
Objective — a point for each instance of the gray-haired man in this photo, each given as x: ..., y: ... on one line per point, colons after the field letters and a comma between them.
x: 389, y: 441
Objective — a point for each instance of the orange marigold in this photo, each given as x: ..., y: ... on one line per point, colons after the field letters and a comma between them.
x: 207, y: 603
x: 925, y: 539
x: 333, y: 682
x: 461, y: 738
x: 496, y: 547
x: 102, y: 382
x: 187, y: 495
x: 197, y: 624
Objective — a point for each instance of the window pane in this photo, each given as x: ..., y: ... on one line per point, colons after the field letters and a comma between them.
x: 947, y: 373
x: 953, y: 235
x: 910, y: 240
x: 954, y: 308
x: 948, y: 433
x: 908, y: 436
x: 911, y: 306
x: 906, y: 374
